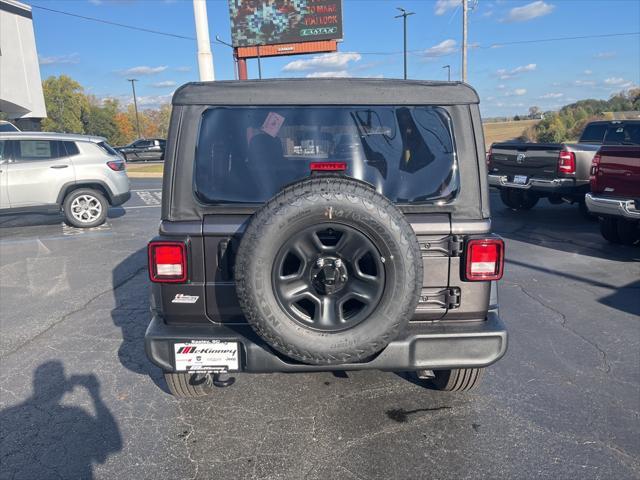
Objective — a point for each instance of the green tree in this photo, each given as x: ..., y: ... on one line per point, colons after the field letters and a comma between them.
x: 99, y: 119
x: 66, y: 103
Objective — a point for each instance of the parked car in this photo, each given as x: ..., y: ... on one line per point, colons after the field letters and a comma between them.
x: 8, y: 127
x: 144, y: 150
x: 272, y: 257
x: 615, y: 192
x: 52, y: 172
x: 526, y: 172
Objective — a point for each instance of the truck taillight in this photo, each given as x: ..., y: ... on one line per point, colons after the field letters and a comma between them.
x: 595, y: 165
x: 484, y: 259
x: 167, y: 262
x: 567, y: 162
x: 489, y: 158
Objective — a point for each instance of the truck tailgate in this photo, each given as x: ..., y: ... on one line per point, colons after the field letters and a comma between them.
x: 619, y: 171
x: 537, y: 160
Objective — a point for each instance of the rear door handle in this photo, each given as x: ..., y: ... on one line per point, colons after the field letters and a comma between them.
x: 58, y: 166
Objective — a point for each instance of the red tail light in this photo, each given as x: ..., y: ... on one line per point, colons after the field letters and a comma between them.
x: 116, y: 166
x: 328, y: 166
x: 484, y: 259
x: 489, y: 158
x: 595, y: 169
x: 167, y: 262
x: 567, y: 162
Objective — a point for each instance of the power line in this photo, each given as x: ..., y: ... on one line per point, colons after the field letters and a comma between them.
x: 518, y: 42
x: 542, y: 40
x: 116, y: 24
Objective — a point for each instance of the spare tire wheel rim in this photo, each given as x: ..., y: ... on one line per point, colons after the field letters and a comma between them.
x: 328, y: 277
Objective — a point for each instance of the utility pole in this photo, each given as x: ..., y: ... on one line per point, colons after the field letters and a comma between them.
x: 464, y: 40
x: 448, y: 67
x: 135, y: 103
x: 404, y: 16
x: 205, y: 57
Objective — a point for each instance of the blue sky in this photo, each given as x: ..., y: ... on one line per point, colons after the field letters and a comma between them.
x: 509, y: 78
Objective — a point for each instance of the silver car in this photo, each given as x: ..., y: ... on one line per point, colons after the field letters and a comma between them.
x: 52, y: 172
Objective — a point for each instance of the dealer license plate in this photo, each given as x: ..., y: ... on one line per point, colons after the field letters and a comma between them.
x: 206, y: 356
x: 520, y: 179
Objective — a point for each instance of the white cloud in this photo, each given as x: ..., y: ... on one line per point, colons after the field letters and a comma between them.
x: 446, y: 47
x: 505, y: 74
x: 524, y: 68
x: 153, y: 101
x: 551, y: 95
x: 614, y: 81
x: 60, y: 59
x: 584, y: 83
x: 143, y: 70
x: 518, y: 92
x: 588, y: 72
x: 329, y: 74
x: 328, y: 62
x: 604, y: 55
x: 443, y: 6
x: 164, y: 84
x: 502, y: 86
x: 529, y: 12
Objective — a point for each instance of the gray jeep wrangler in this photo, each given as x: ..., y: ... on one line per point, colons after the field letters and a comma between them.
x: 325, y: 224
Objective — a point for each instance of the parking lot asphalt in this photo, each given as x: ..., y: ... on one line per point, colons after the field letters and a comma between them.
x: 78, y: 399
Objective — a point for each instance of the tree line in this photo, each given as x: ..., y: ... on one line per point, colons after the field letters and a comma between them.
x: 71, y: 110
x: 567, y: 124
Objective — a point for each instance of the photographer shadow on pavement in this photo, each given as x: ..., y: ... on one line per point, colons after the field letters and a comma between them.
x: 131, y: 314
x: 42, y: 438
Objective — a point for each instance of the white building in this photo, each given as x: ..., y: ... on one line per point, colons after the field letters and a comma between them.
x: 21, y: 95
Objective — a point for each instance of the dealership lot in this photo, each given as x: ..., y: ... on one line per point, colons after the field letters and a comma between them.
x: 79, y: 398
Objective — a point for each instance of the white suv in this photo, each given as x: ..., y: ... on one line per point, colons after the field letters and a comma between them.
x: 49, y: 172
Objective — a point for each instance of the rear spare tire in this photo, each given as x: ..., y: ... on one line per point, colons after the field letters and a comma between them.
x: 328, y: 271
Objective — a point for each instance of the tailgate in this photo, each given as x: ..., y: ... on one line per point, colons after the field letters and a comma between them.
x: 619, y: 171
x: 532, y: 160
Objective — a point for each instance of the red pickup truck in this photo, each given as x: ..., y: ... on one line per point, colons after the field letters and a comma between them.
x: 615, y: 192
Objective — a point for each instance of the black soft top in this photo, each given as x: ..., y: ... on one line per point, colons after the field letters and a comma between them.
x: 325, y: 91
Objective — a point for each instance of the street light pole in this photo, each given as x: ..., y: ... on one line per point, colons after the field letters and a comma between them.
x: 135, y: 103
x: 448, y: 67
x: 404, y: 16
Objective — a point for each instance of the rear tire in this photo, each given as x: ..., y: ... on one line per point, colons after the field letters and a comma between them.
x: 189, y: 385
x: 518, y: 199
x: 77, y: 215
x: 609, y: 229
x: 628, y: 232
x: 456, y: 379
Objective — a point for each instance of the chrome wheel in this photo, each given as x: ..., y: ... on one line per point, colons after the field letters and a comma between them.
x: 86, y: 208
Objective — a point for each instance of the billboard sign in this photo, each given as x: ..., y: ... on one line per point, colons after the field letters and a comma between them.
x: 272, y: 22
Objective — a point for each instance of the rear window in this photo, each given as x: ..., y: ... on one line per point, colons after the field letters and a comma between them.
x: 593, y: 133
x: 247, y: 154
x: 107, y: 148
x: 612, y: 134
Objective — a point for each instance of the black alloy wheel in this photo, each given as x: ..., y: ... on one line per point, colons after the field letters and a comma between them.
x: 329, y: 277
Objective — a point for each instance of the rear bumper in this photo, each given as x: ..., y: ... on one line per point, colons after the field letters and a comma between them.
x: 120, y: 199
x: 613, y: 207
x: 428, y: 345
x: 556, y: 185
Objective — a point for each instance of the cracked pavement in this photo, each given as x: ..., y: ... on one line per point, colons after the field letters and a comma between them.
x: 78, y: 399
